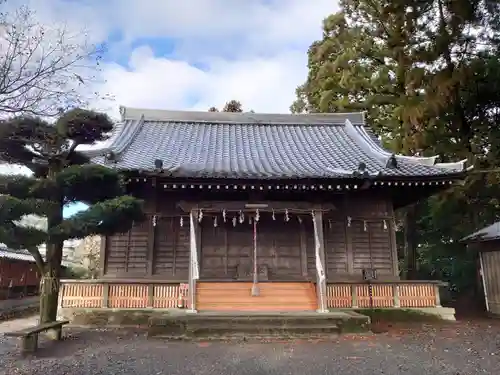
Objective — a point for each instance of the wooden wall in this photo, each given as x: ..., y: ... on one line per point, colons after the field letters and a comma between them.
x: 368, y: 242
x: 286, y: 249
x: 490, y: 267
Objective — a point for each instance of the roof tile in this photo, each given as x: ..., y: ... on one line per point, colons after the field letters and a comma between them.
x: 256, y: 147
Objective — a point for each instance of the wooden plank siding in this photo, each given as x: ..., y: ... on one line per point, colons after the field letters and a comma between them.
x: 286, y: 249
x: 171, y: 251
x: 490, y: 268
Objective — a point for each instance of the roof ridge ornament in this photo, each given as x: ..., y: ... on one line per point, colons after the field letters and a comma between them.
x: 122, y: 110
x: 392, y: 162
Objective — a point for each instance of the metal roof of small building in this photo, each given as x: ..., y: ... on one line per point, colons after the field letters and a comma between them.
x: 256, y: 146
x: 489, y: 233
x: 22, y: 255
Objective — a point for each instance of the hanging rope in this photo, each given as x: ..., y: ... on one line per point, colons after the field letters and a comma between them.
x: 255, y: 287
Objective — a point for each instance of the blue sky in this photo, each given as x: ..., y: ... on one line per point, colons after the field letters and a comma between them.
x: 194, y: 54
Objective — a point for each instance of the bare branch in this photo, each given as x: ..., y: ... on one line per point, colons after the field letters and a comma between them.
x: 44, y: 69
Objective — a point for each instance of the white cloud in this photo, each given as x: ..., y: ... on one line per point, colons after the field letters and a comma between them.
x: 252, y: 51
x: 265, y: 85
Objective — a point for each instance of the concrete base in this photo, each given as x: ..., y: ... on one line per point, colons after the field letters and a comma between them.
x: 29, y: 344
x: 54, y: 334
x: 321, y: 311
x: 445, y: 313
x: 404, y: 314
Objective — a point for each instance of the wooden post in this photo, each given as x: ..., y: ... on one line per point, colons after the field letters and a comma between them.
x: 62, y: 290
x: 151, y: 296
x: 103, y: 255
x: 319, y: 243
x: 354, y: 296
x: 105, y: 295
x: 193, y: 260
x: 483, y: 280
x: 438, y: 297
x: 395, y: 290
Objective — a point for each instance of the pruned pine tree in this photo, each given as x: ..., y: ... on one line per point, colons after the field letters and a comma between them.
x: 61, y: 176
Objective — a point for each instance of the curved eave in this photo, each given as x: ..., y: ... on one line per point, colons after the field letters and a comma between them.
x: 363, y: 139
x: 123, y: 134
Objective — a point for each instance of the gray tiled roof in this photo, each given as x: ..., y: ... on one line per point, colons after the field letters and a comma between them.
x: 489, y: 233
x: 255, y: 146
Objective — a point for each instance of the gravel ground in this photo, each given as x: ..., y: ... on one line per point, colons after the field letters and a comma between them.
x: 463, y: 348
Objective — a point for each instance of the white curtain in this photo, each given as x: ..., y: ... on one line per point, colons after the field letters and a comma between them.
x: 194, y: 256
x: 317, y: 242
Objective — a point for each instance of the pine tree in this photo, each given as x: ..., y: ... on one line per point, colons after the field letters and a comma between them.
x: 61, y: 176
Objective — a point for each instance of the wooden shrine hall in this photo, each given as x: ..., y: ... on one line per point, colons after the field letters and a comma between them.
x: 258, y: 212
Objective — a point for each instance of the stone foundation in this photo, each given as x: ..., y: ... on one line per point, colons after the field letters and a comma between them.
x: 99, y: 317
x: 176, y: 323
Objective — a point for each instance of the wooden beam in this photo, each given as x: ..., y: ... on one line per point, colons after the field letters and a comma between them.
x: 267, y: 206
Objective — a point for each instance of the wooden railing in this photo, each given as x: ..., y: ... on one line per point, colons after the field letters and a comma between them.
x: 121, y: 294
x: 401, y: 294
x: 138, y: 294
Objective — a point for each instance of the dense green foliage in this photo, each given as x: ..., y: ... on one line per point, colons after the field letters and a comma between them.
x: 61, y: 176
x: 426, y: 72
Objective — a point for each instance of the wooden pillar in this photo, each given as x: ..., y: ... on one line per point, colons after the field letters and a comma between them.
x: 319, y: 243
x: 438, y: 297
x: 193, y: 260
x: 103, y: 254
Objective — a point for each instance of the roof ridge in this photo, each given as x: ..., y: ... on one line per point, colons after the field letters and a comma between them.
x: 128, y: 113
x: 208, y: 122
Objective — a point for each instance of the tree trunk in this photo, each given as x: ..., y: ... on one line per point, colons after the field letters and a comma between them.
x: 49, y: 289
x: 411, y: 250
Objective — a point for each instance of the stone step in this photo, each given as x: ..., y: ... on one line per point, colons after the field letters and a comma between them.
x: 275, y: 325
x: 225, y: 330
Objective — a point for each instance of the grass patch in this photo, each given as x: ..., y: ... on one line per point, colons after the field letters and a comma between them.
x: 19, y: 313
x: 398, y: 315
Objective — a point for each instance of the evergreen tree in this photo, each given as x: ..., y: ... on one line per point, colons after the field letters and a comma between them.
x: 61, y: 176
x: 368, y: 60
x: 230, y: 106
x: 426, y: 72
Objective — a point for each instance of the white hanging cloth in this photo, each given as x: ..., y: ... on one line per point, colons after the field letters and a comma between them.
x: 319, y: 265
x: 195, y: 271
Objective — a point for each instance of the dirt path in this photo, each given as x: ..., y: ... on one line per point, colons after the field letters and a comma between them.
x: 464, y: 348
